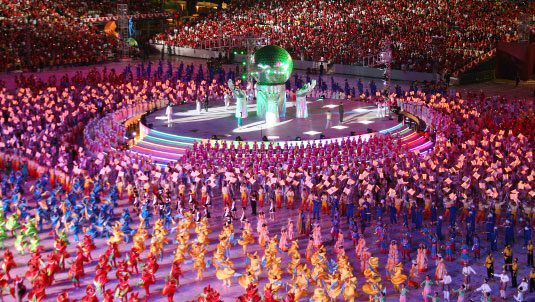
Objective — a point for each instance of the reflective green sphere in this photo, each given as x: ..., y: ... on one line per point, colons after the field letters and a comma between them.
x: 271, y: 65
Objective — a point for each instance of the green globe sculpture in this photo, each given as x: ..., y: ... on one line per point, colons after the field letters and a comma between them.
x: 271, y: 65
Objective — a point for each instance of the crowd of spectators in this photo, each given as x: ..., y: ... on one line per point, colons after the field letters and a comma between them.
x: 92, y: 8
x: 37, y: 34
x: 422, y: 33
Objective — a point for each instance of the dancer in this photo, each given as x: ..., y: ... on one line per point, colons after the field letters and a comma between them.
x: 427, y: 288
x: 328, y: 118
x: 169, y: 289
x: 198, y: 105
x: 504, y: 279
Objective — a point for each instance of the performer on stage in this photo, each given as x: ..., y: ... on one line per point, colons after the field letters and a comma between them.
x: 226, y: 99
x: 206, y: 102
x: 328, y: 118
x: 341, y: 112
x: 198, y: 106
x: 169, y: 113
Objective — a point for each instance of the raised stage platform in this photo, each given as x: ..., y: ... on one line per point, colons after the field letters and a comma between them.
x: 220, y: 121
x: 165, y: 142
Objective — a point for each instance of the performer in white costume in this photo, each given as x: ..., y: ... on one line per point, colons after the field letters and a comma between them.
x: 329, y: 117
x: 169, y: 113
x: 226, y: 98
x: 198, y: 104
x: 241, y: 102
x: 301, y: 108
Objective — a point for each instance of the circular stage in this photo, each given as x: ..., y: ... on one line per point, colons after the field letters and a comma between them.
x: 220, y: 121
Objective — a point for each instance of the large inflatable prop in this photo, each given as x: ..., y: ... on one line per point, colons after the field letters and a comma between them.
x: 271, y: 66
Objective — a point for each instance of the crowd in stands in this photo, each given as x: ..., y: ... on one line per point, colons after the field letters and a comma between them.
x: 37, y: 34
x: 422, y: 33
x: 482, y: 162
x: 93, y: 8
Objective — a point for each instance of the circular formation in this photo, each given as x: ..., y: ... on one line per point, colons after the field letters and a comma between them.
x: 272, y: 65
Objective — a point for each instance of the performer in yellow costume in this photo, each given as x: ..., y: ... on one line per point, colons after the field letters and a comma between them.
x: 140, y: 236
x: 319, y: 262
x: 333, y: 285
x: 398, y: 277
x: 225, y: 272
x: 246, y: 237
x: 373, y: 279
x: 253, y: 270
x: 319, y: 296
x: 300, y: 283
x: 198, y: 252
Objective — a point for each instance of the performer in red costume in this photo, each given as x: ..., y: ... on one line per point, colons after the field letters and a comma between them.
x: 52, y: 266
x: 3, y: 284
x: 37, y: 293
x: 90, y: 294
x: 108, y: 295
x: 152, y: 262
x: 77, y: 270
x: 87, y: 245
x: 8, y: 263
x: 101, y: 279
x: 104, y: 263
x: 123, y: 288
x: 134, y: 298
x: 32, y: 271
x: 113, y: 253
x: 169, y: 289
x: 176, y: 272
x: 122, y: 270
x: 61, y: 250
x: 34, y: 264
x: 36, y: 259
x: 147, y: 279
x: 63, y: 297
x: 133, y: 260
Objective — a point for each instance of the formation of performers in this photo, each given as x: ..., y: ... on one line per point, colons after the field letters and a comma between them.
x: 313, y: 220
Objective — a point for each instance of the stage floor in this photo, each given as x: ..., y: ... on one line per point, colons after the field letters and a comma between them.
x: 220, y: 121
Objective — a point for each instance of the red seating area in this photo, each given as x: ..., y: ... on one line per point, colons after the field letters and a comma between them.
x: 346, y: 31
x: 37, y: 34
